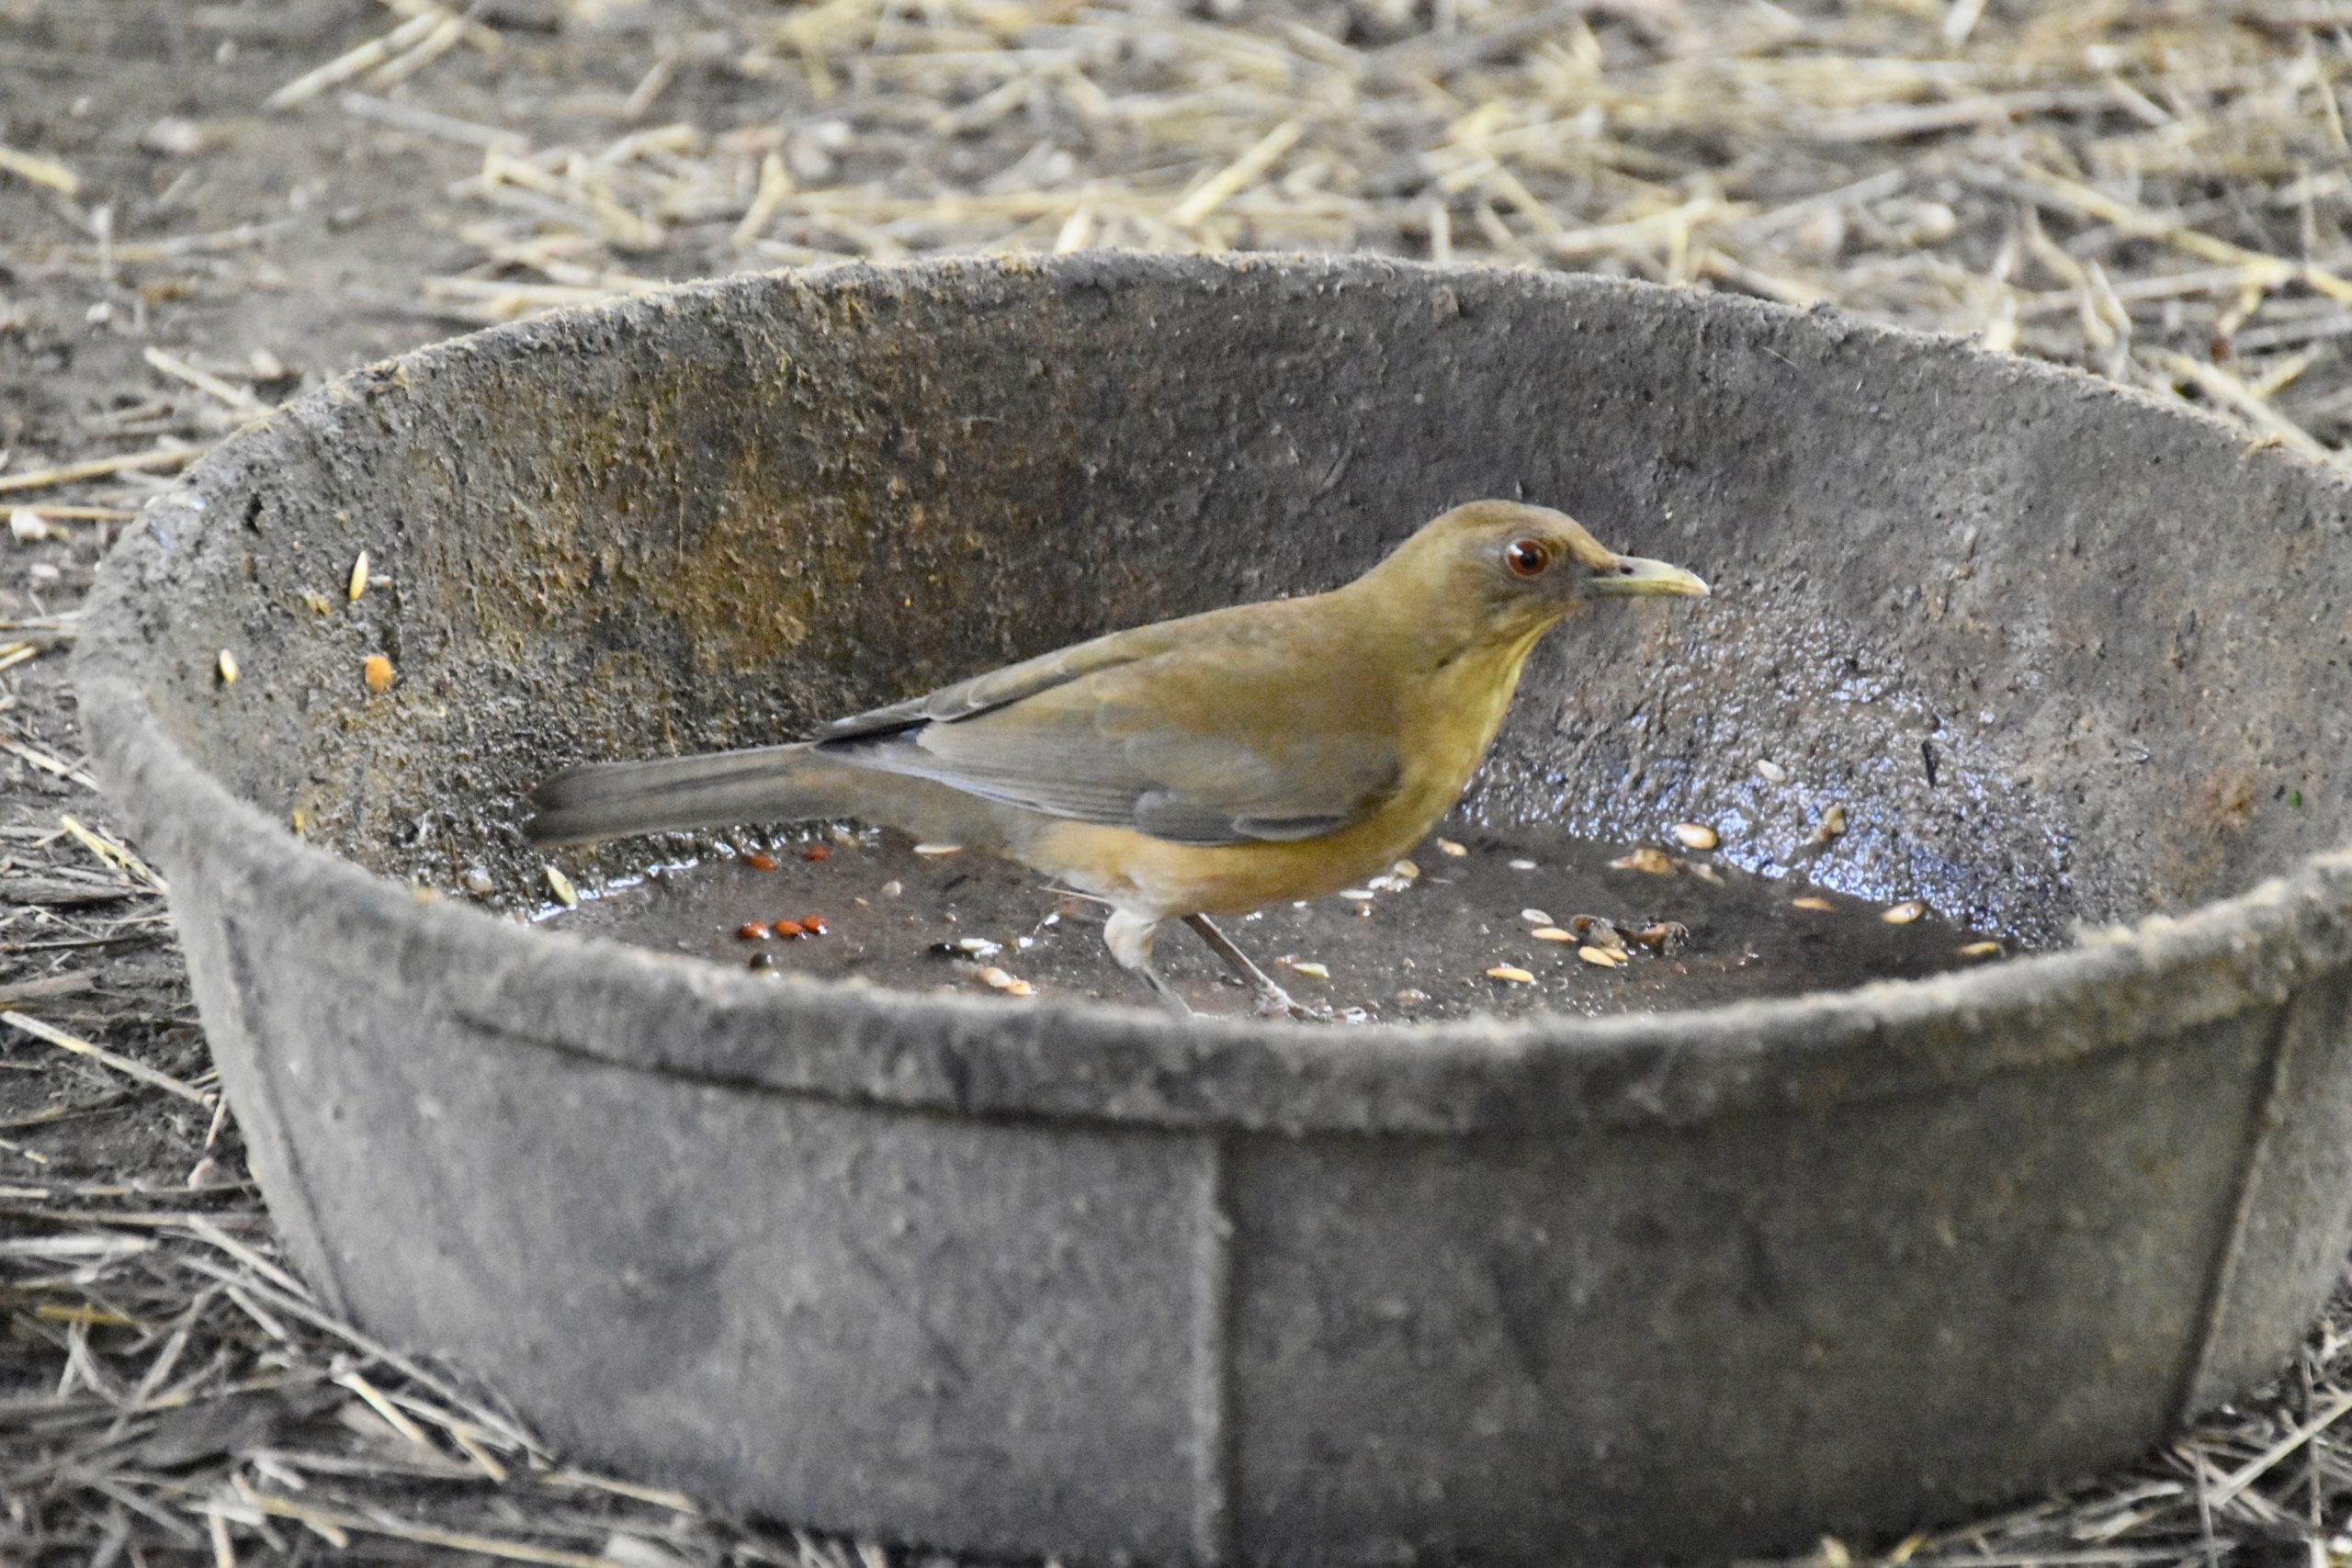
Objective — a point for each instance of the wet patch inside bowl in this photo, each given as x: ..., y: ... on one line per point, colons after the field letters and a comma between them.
x: 1482, y: 926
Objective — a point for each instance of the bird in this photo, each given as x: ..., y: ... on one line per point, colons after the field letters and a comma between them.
x: 1195, y: 768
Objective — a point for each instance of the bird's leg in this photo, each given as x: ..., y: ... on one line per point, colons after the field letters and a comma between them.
x: 1129, y: 937
x: 1273, y: 999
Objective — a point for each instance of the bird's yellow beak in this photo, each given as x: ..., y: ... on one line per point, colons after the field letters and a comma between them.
x: 1632, y: 574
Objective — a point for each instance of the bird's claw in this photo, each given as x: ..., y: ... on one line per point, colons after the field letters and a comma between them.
x: 1278, y: 1003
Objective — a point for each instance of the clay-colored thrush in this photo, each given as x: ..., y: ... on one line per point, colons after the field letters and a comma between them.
x: 1209, y: 765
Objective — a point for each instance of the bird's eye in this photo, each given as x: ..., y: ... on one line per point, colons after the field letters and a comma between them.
x: 1527, y: 558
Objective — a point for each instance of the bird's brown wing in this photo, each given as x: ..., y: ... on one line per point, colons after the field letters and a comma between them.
x: 982, y: 694
x: 1218, y: 741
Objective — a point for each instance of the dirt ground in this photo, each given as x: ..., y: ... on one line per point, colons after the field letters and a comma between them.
x: 2154, y: 191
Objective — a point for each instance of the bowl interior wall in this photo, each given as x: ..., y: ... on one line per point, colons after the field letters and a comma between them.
x: 2059, y: 653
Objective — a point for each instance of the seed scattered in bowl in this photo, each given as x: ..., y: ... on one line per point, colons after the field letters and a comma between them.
x: 787, y: 929
x: 754, y: 930
x: 476, y: 880
x: 996, y: 979
x: 938, y: 849
x: 1448, y: 847
x: 227, y: 665
x: 1695, y: 836
x: 1981, y: 950
x: 1902, y: 914
x: 1535, y: 917
x: 1312, y: 970
x: 358, y: 583
x: 816, y: 853
x: 560, y: 885
x: 1552, y: 933
x: 759, y: 861
x: 1510, y: 974
x: 1832, y: 826
x: 1601, y: 933
x: 814, y: 925
x: 1810, y: 902
x: 1647, y: 861
x: 1603, y: 957
x: 1771, y: 771
x: 1666, y: 938
x: 1521, y: 864
x: 377, y: 671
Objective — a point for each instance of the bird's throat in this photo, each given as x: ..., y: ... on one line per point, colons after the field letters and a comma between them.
x: 1456, y: 709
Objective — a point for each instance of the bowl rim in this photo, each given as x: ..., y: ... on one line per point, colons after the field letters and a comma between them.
x: 1128, y: 1062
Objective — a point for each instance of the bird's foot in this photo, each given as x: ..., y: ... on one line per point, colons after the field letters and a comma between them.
x: 1275, y: 1002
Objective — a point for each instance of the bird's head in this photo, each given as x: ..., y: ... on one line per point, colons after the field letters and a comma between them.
x: 1503, y: 571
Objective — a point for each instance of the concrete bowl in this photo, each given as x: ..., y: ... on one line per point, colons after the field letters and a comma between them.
x: 1076, y: 1280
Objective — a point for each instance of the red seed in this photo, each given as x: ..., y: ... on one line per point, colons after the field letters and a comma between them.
x: 816, y: 853
x: 814, y: 925
x: 754, y: 930
x: 788, y: 928
x: 759, y: 862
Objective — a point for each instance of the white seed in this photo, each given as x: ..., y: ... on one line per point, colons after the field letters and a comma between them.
x: 976, y: 946
x: 29, y: 528
x: 560, y: 885
x: 1411, y: 999
x: 1313, y: 971
x: 1833, y: 825
x: 1511, y: 973
x: 228, y: 666
x: 1902, y: 914
x: 1406, y: 872
x: 939, y: 849
x: 358, y: 583
x: 1448, y: 847
x: 1695, y: 836
x: 1771, y: 771
x: 1522, y: 865
x: 1552, y: 933
x: 892, y: 888
x: 476, y: 880
x: 1981, y: 950
x: 1359, y: 893
x: 1606, y: 958
x: 1810, y: 902
x: 1535, y: 917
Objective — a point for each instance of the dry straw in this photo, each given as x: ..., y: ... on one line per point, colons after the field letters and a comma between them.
x: 2155, y: 189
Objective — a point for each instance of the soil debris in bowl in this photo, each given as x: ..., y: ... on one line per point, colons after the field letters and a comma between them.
x: 1502, y: 928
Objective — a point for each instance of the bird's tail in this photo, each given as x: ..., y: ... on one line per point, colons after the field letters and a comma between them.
x: 716, y: 789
